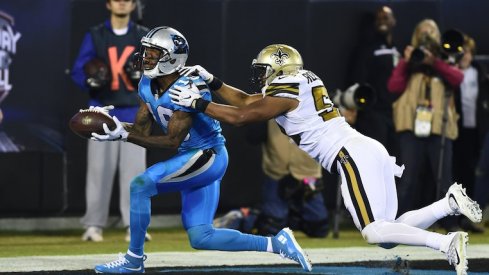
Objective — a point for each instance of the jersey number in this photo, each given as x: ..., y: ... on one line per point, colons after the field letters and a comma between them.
x: 322, y: 102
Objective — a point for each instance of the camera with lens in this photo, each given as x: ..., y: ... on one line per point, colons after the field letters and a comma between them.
x: 356, y: 97
x: 426, y: 42
x: 452, y: 46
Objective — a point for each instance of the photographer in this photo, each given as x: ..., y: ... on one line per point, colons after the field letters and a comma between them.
x: 471, y: 149
x: 374, y: 59
x: 425, y: 83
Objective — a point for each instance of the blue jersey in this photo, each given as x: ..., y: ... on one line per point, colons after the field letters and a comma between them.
x: 205, y: 131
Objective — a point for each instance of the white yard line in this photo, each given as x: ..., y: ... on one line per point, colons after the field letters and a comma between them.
x: 217, y: 258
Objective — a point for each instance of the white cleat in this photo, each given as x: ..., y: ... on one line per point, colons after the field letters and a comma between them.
x: 93, y: 234
x: 462, y: 204
x: 457, y: 252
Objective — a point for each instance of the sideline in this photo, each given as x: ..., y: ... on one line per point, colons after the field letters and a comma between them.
x: 219, y: 258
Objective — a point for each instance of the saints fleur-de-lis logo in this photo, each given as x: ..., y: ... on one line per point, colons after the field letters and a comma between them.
x: 280, y: 57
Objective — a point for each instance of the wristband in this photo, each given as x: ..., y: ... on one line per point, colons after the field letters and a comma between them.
x: 215, y: 84
x: 201, y: 104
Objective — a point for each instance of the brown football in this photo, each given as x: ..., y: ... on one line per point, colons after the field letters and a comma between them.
x: 96, y: 68
x: 86, y: 122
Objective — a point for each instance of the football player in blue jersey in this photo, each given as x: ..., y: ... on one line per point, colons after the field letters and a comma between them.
x: 195, y: 171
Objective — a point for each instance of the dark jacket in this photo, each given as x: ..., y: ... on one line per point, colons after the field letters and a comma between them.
x: 482, y: 105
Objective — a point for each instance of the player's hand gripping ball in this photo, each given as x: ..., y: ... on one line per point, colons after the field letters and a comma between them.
x: 89, y: 121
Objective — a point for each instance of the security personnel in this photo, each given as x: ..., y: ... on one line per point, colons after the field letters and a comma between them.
x: 103, y: 69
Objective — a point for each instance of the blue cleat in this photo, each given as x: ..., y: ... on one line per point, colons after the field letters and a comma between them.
x: 285, y: 244
x: 125, y: 264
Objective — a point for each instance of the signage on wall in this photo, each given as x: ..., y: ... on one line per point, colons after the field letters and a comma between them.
x: 8, y: 48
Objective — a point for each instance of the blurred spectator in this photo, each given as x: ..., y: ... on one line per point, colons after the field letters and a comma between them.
x: 292, y: 190
x: 373, y: 64
x: 466, y: 147
x: 426, y: 83
x: 107, y: 49
x: 481, y: 188
x: 473, y: 103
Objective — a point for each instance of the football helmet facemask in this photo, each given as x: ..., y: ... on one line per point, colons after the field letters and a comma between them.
x: 173, y: 52
x: 274, y: 60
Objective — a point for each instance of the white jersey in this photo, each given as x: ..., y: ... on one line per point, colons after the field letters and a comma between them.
x: 315, y: 125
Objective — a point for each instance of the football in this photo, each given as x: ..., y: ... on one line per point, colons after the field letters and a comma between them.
x: 97, y: 73
x: 86, y: 122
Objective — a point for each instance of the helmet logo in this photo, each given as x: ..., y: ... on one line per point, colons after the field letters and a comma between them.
x: 180, y: 44
x: 279, y: 57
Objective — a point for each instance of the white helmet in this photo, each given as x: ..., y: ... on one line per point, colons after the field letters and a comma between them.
x: 174, y: 50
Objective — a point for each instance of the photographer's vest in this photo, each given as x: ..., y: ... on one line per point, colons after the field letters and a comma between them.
x: 404, y: 109
x: 116, y: 51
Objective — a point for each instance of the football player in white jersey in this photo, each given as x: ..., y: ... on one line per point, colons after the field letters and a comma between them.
x: 299, y: 102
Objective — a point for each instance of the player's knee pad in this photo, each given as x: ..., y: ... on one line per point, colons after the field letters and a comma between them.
x: 200, y: 236
x: 142, y: 183
x: 371, y: 232
x: 374, y: 232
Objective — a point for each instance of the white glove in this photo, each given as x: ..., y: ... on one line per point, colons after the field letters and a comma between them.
x: 197, y: 69
x: 104, y: 109
x: 119, y: 133
x: 184, y: 96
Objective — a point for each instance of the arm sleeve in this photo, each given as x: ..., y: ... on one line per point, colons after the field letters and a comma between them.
x: 87, y: 52
x: 399, y: 77
x: 450, y: 74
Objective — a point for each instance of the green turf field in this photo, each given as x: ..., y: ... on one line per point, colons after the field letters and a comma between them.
x: 14, y: 244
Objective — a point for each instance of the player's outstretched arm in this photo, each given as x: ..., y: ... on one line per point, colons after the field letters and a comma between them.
x: 235, y: 96
x: 260, y: 110
x: 230, y: 94
x: 178, y: 128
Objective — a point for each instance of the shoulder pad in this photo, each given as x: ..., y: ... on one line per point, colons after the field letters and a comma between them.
x: 289, y: 88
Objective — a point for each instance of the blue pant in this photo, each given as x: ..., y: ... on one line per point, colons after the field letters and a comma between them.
x: 197, y: 175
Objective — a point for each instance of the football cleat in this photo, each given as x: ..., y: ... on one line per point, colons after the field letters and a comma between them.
x: 285, y: 244
x: 457, y: 252
x: 462, y: 204
x: 124, y: 264
x: 93, y: 234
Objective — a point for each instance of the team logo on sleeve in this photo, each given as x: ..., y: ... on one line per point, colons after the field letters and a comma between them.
x: 279, y: 56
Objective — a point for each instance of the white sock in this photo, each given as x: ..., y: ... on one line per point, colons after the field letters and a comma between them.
x: 426, y: 216
x: 434, y: 240
x: 445, y: 241
x: 269, y: 245
x: 400, y: 233
x: 130, y: 253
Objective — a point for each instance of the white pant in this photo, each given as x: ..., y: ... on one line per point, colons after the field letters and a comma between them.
x: 368, y: 186
x: 103, y: 160
x: 369, y: 193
